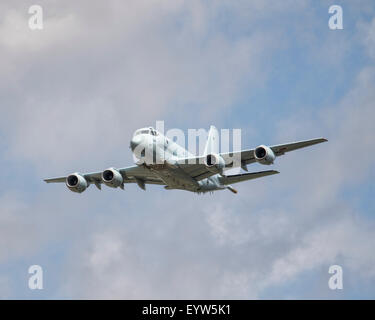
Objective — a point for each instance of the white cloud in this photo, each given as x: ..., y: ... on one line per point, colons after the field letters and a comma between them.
x: 82, y: 85
x: 264, y: 239
x: 72, y: 97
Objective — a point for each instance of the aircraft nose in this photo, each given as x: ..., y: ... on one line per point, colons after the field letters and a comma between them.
x: 136, y: 141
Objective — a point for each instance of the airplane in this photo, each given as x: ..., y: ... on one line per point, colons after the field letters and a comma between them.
x: 173, y: 167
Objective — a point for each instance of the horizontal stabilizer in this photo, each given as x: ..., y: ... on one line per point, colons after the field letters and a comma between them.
x: 246, y: 176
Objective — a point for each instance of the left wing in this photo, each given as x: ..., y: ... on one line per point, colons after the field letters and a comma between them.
x: 247, y: 156
x: 196, y: 169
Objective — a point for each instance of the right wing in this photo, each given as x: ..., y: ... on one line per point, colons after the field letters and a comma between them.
x: 134, y: 174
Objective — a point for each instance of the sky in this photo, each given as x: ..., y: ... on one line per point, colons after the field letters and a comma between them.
x: 73, y: 93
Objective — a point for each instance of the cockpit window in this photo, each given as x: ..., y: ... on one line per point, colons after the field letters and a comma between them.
x: 147, y: 131
x: 142, y: 132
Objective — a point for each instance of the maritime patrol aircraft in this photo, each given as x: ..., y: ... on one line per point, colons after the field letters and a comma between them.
x: 173, y: 167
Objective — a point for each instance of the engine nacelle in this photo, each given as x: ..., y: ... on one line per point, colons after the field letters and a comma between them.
x: 112, y: 178
x: 214, y: 163
x: 76, y: 183
x: 264, y: 155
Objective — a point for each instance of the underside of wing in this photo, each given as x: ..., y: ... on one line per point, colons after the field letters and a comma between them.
x: 134, y: 174
x: 196, y: 171
x: 280, y: 149
x: 196, y: 168
x: 55, y: 180
x: 246, y: 157
x: 243, y: 157
x: 140, y: 173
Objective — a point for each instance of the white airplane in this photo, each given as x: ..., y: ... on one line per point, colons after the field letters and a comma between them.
x: 175, y: 168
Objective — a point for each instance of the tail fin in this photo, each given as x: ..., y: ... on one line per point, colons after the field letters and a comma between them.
x: 212, y: 145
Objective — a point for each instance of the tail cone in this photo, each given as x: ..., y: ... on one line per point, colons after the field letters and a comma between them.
x: 232, y: 189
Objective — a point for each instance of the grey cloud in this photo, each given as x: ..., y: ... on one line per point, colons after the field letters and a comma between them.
x: 273, y: 231
x: 71, y: 97
x: 93, y: 75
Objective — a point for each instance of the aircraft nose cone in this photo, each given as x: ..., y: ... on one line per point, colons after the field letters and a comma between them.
x: 136, y: 141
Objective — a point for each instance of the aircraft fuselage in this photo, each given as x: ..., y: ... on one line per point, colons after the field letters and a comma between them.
x: 160, y: 154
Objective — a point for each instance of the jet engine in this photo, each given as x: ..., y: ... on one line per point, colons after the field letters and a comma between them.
x: 264, y: 155
x: 214, y: 163
x: 76, y: 183
x: 112, y: 178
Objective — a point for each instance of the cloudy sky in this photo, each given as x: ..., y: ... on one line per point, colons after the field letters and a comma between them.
x: 72, y: 94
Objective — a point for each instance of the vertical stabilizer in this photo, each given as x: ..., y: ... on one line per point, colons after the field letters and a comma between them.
x: 212, y: 145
